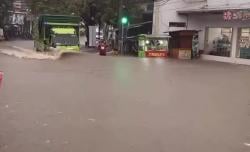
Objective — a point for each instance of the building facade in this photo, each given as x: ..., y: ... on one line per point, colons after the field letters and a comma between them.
x: 223, y: 25
x: 19, y: 23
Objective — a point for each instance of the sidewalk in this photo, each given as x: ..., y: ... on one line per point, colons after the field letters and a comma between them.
x: 89, y: 50
x: 24, y: 49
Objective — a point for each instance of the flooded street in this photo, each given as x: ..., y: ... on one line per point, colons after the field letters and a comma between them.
x: 91, y: 103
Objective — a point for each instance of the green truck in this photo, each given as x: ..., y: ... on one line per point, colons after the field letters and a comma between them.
x: 58, y: 32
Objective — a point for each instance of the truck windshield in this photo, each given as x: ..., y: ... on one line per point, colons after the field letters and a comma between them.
x: 65, y: 39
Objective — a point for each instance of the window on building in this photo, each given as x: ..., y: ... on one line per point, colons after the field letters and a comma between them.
x: 219, y: 41
x: 177, y: 24
x: 244, y: 43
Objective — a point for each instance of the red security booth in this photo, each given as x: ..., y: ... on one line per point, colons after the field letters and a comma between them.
x: 184, y: 44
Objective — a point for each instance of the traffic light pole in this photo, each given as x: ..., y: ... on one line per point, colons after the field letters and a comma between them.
x: 123, y: 21
x: 120, y: 45
x: 122, y: 40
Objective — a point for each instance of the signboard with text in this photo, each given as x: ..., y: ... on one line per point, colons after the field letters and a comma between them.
x: 236, y: 15
x: 156, y: 53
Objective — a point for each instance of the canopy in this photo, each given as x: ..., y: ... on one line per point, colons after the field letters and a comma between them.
x: 154, y: 36
x: 59, y: 20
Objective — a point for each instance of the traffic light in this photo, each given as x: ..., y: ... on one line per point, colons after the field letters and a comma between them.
x: 124, y: 20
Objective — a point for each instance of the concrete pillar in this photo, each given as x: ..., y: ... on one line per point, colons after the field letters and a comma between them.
x: 234, y: 43
x: 156, y: 19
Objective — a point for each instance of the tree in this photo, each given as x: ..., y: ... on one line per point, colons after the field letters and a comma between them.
x: 104, y: 13
x: 5, y: 6
x: 54, y: 6
x: 92, y: 11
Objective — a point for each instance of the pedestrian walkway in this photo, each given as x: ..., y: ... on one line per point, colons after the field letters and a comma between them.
x: 24, y: 49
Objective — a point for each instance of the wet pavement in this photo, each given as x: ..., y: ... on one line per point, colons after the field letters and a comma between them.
x: 25, y: 44
x: 92, y: 103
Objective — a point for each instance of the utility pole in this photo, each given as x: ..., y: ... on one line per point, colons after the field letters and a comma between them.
x: 122, y: 45
x: 120, y: 36
x: 123, y: 22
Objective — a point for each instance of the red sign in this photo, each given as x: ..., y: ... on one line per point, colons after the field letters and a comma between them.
x: 228, y: 15
x: 156, y: 54
x: 236, y: 15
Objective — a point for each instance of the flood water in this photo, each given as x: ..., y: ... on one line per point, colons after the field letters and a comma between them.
x: 93, y: 103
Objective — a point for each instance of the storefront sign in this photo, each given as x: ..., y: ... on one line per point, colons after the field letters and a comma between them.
x: 236, y: 15
x: 156, y: 54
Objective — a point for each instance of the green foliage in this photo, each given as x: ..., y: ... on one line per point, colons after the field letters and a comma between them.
x: 65, y: 7
x: 110, y: 13
x: 5, y: 5
x: 103, y: 11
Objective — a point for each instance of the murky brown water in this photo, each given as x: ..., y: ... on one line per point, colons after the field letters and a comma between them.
x: 123, y: 104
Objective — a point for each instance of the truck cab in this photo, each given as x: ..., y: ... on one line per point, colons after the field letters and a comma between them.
x: 57, y: 31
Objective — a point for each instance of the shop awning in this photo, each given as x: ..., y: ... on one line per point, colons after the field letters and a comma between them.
x: 182, y: 31
x: 213, y: 10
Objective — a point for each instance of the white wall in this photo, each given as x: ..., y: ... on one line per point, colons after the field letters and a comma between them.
x: 229, y: 2
x: 163, y: 14
x: 216, y: 2
x: 167, y: 13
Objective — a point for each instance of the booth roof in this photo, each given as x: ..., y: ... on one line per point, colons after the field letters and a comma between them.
x: 170, y: 31
x: 156, y: 35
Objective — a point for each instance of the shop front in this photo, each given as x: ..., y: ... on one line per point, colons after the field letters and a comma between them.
x: 244, y: 43
x: 153, y: 45
x: 224, y: 34
x: 218, y: 41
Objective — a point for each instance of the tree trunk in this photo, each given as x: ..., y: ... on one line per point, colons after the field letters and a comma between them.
x: 87, y: 36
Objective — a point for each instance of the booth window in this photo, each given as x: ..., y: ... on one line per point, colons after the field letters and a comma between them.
x: 219, y: 41
x: 244, y: 43
x: 157, y: 45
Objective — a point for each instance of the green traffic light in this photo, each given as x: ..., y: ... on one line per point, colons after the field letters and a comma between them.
x: 124, y: 20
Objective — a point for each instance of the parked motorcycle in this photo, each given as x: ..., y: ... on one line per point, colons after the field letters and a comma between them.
x: 102, y: 47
